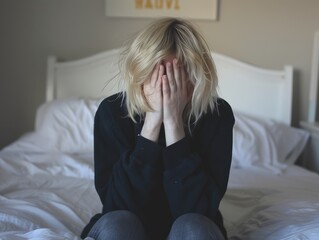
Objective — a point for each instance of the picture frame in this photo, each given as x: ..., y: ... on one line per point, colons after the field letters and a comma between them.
x: 199, y: 9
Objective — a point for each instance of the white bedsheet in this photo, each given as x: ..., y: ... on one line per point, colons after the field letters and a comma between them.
x: 46, y: 196
x: 52, y: 196
x: 262, y: 205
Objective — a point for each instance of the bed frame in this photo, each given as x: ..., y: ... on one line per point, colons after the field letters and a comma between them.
x: 249, y: 89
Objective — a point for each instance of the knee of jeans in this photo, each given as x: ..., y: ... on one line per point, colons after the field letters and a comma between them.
x: 191, y: 222
x: 121, y: 216
x: 112, y: 224
x: 190, y: 218
x: 194, y: 226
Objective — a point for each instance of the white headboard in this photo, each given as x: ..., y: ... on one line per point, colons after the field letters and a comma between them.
x: 249, y: 89
x: 256, y: 91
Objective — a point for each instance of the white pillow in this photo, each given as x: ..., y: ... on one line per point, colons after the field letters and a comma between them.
x: 61, y: 126
x: 266, y: 143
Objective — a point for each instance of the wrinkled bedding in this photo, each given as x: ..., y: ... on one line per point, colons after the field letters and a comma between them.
x: 47, y: 187
x: 263, y: 205
x: 52, y: 196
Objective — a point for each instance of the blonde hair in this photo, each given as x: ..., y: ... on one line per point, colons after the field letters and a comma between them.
x: 163, y: 38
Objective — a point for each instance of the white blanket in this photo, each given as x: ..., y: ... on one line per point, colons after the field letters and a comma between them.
x: 262, y: 205
x: 52, y: 196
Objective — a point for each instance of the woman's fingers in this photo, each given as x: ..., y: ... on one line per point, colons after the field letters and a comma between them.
x: 166, y: 87
x: 152, y: 89
x: 177, y: 74
x: 159, y: 77
x: 170, y: 77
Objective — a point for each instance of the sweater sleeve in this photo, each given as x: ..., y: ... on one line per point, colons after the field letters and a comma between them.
x: 197, y: 168
x: 126, y: 166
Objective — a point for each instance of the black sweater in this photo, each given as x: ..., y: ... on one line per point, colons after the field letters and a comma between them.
x: 156, y: 182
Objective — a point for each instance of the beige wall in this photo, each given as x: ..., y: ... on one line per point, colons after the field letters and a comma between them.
x: 269, y: 33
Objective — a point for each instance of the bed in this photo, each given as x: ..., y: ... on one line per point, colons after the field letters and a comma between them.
x: 47, y: 189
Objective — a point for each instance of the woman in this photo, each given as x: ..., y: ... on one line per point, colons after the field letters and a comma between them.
x: 162, y: 148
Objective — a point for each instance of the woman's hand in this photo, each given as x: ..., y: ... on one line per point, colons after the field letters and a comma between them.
x: 175, y: 98
x: 152, y: 90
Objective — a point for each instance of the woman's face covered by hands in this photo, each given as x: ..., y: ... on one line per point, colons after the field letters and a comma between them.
x: 169, y: 89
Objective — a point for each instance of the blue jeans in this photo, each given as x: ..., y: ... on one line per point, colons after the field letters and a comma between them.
x: 121, y: 224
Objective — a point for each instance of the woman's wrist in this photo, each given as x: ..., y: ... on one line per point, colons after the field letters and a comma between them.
x: 151, y: 127
x: 173, y: 133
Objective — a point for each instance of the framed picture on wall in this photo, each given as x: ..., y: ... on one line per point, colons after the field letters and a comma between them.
x: 199, y: 9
